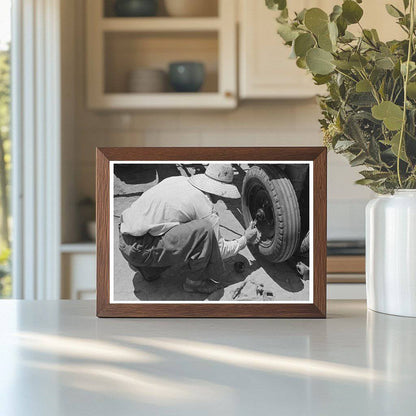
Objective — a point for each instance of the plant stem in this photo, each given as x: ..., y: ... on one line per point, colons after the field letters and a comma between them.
x: 373, y: 89
x: 369, y: 41
x: 406, y: 80
x: 345, y: 75
x: 392, y: 90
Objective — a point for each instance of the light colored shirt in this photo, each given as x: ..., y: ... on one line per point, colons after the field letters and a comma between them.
x: 171, y: 202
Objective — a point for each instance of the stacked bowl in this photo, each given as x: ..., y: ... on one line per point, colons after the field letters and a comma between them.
x: 147, y: 80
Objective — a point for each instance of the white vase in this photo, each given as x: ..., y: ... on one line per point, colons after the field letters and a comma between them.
x: 391, y: 253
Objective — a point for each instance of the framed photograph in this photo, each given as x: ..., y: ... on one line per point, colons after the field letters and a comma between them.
x: 211, y: 232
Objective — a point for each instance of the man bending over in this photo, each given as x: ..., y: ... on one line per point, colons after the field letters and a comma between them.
x: 175, y: 223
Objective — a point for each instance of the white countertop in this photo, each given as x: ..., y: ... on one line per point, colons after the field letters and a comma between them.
x: 56, y: 358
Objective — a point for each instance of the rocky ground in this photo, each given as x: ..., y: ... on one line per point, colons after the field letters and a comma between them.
x: 259, y: 281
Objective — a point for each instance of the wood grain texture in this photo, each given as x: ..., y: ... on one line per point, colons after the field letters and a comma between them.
x: 103, y: 231
x: 213, y: 310
x: 346, y: 264
x: 345, y: 278
x: 319, y: 229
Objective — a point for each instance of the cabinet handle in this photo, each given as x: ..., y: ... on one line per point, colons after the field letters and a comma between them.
x: 228, y: 94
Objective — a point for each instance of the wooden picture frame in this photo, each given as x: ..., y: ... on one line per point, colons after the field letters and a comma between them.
x: 317, y: 159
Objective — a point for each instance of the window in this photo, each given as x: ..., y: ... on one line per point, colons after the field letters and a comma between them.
x: 5, y: 147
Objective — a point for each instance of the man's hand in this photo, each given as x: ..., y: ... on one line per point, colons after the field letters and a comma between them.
x: 252, y: 235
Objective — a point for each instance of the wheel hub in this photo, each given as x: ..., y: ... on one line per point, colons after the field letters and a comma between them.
x: 261, y: 210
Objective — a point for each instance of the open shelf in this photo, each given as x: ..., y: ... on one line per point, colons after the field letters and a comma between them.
x: 130, y: 101
x: 160, y: 24
x: 80, y: 247
x: 116, y: 46
x: 127, y: 51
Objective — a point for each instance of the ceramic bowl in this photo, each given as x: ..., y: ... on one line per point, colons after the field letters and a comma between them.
x: 186, y: 76
x: 147, y: 80
x: 135, y: 8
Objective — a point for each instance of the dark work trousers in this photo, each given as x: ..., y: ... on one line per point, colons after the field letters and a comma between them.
x: 193, y: 244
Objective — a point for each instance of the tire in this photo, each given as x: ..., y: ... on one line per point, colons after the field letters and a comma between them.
x: 304, y: 245
x: 269, y: 188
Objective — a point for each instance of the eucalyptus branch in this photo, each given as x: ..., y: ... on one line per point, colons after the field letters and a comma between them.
x: 346, y: 75
x: 392, y: 90
x: 406, y: 80
x: 376, y: 123
x: 403, y: 28
x: 373, y: 89
x: 369, y: 41
x: 398, y: 95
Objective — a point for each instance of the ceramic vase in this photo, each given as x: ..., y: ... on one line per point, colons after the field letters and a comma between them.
x: 391, y: 253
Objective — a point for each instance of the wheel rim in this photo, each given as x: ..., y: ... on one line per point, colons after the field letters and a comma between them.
x: 260, y: 205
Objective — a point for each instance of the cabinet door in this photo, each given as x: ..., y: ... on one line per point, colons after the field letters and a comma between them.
x: 78, y: 276
x: 265, y: 68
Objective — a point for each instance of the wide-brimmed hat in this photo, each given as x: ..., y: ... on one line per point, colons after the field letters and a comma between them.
x: 217, y: 180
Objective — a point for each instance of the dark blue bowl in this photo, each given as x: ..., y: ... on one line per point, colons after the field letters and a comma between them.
x: 136, y: 8
x: 186, y: 76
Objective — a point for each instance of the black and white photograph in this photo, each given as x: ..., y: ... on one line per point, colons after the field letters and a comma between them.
x: 211, y: 232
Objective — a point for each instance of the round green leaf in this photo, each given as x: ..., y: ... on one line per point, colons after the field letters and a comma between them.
x: 286, y: 32
x: 303, y: 43
x: 336, y: 12
x: 328, y: 39
x: 351, y: 11
x: 321, y: 79
x: 411, y: 90
x: 276, y: 4
x: 385, y: 63
x: 375, y: 35
x: 301, y: 63
x: 391, y: 114
x: 403, y: 66
x: 319, y: 61
x: 393, y: 11
x: 363, y: 86
x: 358, y: 61
x: 316, y: 20
x: 333, y: 32
x: 342, y: 64
x: 342, y: 25
x: 300, y: 16
x: 324, y: 42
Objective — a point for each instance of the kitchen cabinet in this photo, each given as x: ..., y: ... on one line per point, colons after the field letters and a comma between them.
x: 265, y: 70
x: 78, y: 271
x: 116, y: 46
